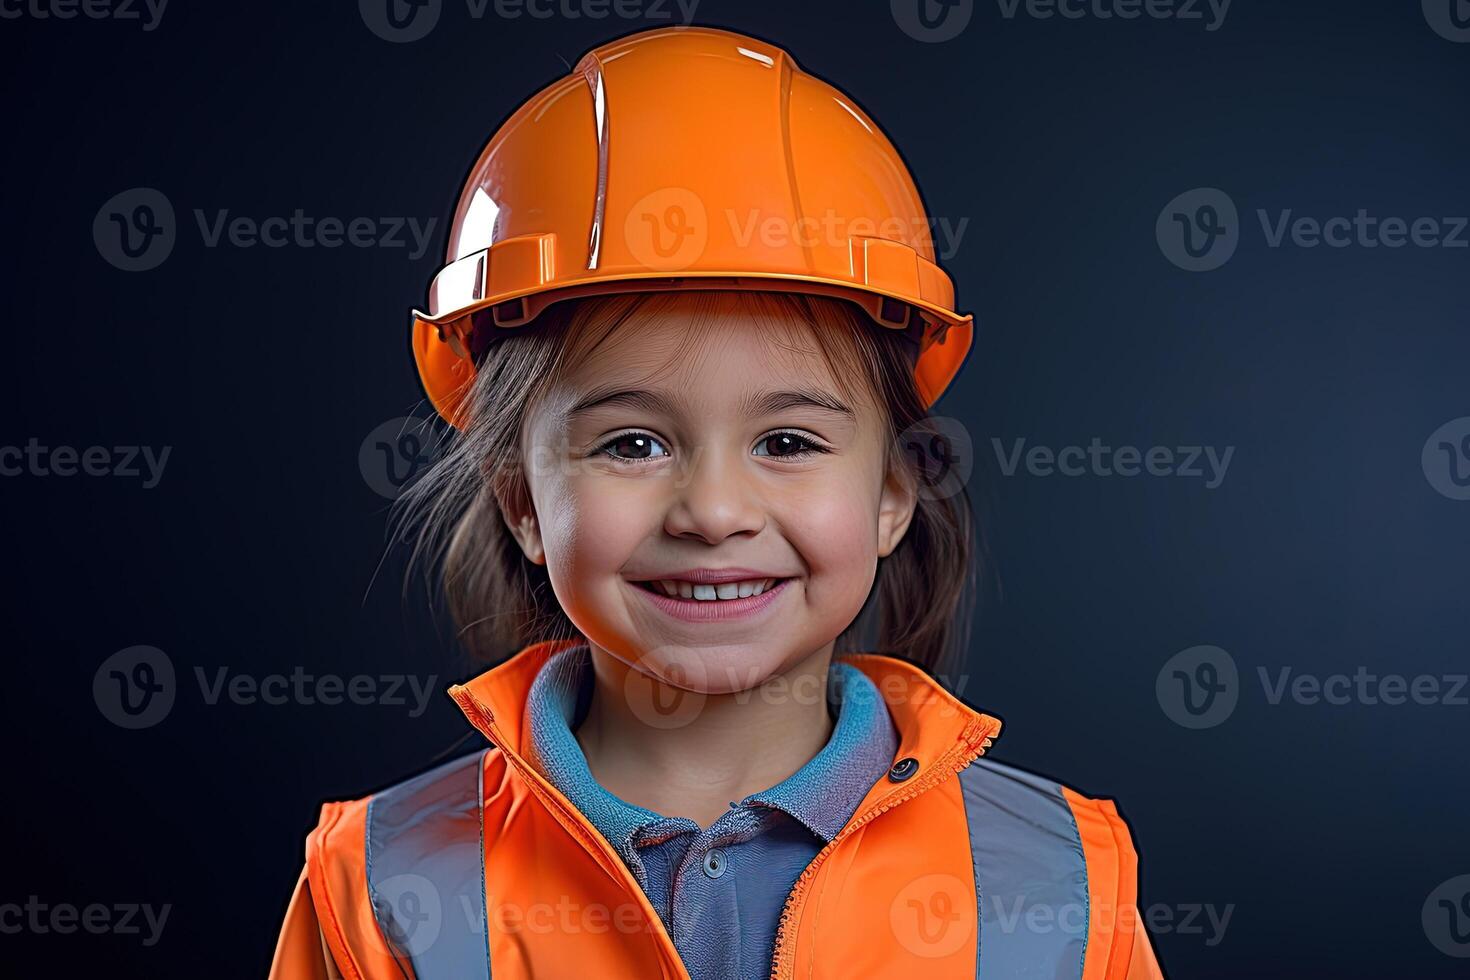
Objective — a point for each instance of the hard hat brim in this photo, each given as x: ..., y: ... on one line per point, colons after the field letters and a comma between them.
x: 442, y: 343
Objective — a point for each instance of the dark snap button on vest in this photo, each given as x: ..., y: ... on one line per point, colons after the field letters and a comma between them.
x: 714, y: 862
x: 903, y: 769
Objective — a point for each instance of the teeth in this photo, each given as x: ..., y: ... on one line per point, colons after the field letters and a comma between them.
x: 713, y: 593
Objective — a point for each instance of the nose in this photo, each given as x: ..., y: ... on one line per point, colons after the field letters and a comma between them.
x: 714, y: 498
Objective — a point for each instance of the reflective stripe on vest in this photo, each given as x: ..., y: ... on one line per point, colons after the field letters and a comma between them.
x: 426, y: 870
x: 1030, y: 874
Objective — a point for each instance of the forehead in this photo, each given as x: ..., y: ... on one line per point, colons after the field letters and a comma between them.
x: 702, y: 350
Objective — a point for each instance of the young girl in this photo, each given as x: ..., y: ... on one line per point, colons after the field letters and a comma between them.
x: 689, y: 326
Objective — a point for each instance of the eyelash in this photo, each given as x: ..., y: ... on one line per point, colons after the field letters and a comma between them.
x: 811, y: 447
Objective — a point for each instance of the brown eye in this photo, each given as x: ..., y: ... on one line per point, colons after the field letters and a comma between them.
x: 787, y: 445
x: 633, y: 446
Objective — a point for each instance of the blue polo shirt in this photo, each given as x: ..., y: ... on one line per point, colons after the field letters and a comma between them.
x: 719, y: 890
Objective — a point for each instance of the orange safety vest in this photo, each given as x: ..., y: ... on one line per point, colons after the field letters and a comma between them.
x: 951, y: 867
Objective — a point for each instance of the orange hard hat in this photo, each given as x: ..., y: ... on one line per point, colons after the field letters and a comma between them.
x: 685, y: 158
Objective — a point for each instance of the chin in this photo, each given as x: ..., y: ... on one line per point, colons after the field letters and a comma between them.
x: 719, y: 669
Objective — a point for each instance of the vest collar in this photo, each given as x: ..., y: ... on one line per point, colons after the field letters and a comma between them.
x: 930, y: 721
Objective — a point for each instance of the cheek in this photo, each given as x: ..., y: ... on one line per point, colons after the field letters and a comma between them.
x: 588, y: 531
x: 835, y: 531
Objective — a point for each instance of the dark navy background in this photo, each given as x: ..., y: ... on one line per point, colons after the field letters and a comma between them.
x: 1323, y: 828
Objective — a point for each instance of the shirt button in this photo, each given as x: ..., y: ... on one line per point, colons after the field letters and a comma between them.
x: 903, y: 769
x: 714, y: 862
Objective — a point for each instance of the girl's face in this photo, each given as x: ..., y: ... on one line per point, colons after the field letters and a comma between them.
x: 669, y: 462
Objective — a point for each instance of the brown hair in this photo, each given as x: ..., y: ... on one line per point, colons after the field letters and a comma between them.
x: 923, y: 594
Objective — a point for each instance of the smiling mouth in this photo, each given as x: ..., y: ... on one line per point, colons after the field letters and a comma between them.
x: 698, y: 592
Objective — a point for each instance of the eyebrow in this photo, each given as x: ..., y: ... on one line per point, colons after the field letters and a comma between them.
x: 763, y: 403
x: 639, y: 398
x: 772, y: 402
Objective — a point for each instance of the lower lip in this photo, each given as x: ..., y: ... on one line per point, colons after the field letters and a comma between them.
x: 714, y: 610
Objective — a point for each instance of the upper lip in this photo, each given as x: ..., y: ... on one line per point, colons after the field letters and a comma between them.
x: 711, y: 576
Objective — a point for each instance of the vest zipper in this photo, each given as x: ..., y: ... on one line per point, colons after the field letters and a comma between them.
x: 483, y: 720
x: 972, y: 744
